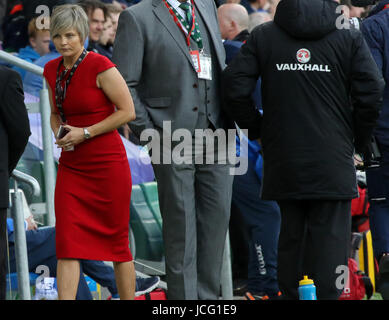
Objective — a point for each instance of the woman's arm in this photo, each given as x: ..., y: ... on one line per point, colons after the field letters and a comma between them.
x: 115, y: 88
x: 55, y: 120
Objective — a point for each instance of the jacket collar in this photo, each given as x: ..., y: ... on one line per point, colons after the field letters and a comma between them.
x: 166, y: 19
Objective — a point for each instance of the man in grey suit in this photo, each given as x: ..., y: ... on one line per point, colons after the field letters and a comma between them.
x: 158, y: 49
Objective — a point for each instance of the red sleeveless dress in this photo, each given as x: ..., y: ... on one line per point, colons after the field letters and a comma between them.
x: 93, y: 188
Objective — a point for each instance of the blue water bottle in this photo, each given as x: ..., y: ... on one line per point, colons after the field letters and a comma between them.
x: 307, y: 290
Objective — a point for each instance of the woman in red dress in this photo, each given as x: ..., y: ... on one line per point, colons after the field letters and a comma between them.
x: 93, y: 189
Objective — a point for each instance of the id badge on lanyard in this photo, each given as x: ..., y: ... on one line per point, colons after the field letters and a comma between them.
x: 202, y: 63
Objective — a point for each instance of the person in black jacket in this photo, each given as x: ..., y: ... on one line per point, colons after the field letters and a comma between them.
x: 375, y: 29
x: 14, y: 133
x: 321, y: 93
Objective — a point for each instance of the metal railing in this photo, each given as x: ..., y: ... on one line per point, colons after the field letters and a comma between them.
x: 17, y: 213
x: 45, y: 111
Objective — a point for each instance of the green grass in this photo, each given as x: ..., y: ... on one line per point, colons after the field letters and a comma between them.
x: 376, y: 296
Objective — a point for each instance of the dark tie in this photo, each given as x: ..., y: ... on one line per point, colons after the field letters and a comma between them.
x: 186, y: 7
x: 196, y: 36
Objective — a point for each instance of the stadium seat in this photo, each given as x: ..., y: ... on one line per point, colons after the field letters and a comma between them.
x: 147, y: 232
x: 150, y: 190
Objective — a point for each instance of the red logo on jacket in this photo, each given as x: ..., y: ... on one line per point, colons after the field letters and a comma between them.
x: 303, y: 55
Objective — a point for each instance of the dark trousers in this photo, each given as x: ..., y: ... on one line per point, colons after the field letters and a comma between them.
x: 314, y: 240
x: 262, y: 219
x: 239, y: 241
x: 3, y: 252
x: 378, y: 192
x: 41, y: 251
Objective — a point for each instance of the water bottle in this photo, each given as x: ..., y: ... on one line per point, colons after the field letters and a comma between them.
x: 307, y: 290
x: 45, y: 289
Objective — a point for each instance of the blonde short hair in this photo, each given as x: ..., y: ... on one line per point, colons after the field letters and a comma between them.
x: 69, y: 16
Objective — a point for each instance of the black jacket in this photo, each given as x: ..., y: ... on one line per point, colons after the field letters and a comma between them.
x: 321, y: 93
x: 14, y: 127
x: 375, y: 30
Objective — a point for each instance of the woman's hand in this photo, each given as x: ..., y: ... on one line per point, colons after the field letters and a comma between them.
x: 74, y: 137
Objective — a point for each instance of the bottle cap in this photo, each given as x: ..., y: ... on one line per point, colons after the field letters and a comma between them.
x: 305, y: 281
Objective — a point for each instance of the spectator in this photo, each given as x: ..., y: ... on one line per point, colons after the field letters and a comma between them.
x: 353, y: 12
x: 14, y: 28
x: 257, y: 18
x: 93, y: 188
x: 18, y: 15
x: 307, y: 131
x: 273, y: 7
x: 30, y: 6
x: 104, y: 46
x: 261, y: 217
x: 114, y: 13
x: 194, y: 198
x: 107, y: 39
x: 97, y: 15
x: 39, y: 40
x: 375, y: 29
x: 256, y: 5
x: 32, y: 82
x: 41, y: 251
x: 14, y: 133
x: 233, y: 22
x: 122, y: 4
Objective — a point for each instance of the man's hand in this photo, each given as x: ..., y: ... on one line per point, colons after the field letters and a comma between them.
x: 358, y: 160
x: 126, y: 131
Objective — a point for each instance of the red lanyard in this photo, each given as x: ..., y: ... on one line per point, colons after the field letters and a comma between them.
x: 179, y: 24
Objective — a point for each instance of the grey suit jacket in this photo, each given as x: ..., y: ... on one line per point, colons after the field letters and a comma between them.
x: 151, y: 53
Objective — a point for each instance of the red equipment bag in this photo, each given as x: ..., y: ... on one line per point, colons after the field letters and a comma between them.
x: 157, y: 294
x: 357, y: 285
x: 360, y: 211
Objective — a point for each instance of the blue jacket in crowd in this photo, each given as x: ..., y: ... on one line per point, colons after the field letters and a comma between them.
x: 11, y: 228
x: 28, y: 54
x: 254, y: 148
x: 375, y: 29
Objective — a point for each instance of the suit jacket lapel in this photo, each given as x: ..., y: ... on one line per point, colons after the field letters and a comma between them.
x: 216, y: 41
x: 166, y: 19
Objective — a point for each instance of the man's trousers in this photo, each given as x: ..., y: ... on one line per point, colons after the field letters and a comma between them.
x: 378, y: 193
x: 262, y: 219
x: 314, y: 240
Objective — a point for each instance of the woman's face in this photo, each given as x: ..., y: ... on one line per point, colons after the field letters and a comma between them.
x: 68, y: 43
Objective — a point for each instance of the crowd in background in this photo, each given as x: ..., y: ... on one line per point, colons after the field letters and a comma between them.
x: 19, y: 34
